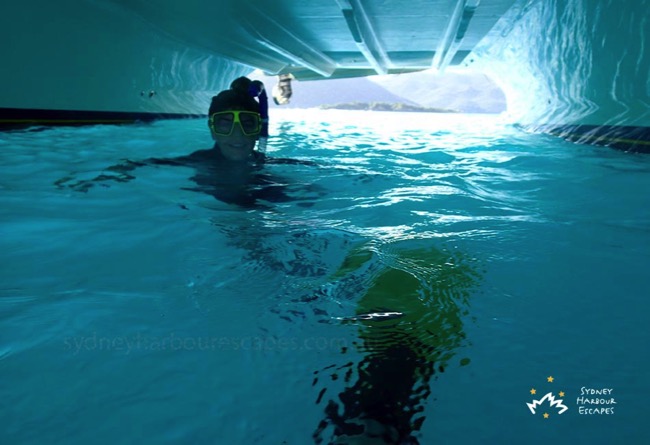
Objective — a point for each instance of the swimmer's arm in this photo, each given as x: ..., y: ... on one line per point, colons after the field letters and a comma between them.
x: 289, y: 161
x: 117, y: 173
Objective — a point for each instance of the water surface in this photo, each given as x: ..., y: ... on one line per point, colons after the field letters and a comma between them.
x: 137, y: 309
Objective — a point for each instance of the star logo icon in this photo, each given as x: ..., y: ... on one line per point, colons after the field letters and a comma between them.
x: 549, y: 400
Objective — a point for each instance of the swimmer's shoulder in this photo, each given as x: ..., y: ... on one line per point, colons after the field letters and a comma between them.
x: 195, y: 158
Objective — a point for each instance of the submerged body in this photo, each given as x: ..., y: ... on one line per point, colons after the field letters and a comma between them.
x: 246, y: 184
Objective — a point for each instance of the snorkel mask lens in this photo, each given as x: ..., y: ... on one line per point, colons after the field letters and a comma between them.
x: 223, y: 122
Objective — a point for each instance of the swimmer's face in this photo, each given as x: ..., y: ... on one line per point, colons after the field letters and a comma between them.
x: 228, y: 131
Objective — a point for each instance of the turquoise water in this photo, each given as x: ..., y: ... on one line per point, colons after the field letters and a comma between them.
x: 136, y: 309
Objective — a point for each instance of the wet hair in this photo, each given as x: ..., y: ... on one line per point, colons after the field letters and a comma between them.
x: 236, y: 98
x: 241, y: 84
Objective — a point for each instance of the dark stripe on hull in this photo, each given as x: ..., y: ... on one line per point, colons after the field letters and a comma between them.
x: 18, y: 118
x: 629, y: 139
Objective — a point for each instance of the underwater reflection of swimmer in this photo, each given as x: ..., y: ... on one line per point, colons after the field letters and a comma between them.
x: 409, y: 320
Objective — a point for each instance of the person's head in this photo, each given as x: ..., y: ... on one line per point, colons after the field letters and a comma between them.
x: 234, y: 120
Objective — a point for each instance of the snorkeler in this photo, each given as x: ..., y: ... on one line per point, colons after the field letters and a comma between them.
x: 232, y: 170
x: 236, y: 121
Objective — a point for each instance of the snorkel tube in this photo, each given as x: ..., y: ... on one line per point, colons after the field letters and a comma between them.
x: 256, y: 89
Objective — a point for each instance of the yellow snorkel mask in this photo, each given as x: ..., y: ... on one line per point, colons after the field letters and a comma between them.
x: 223, y: 123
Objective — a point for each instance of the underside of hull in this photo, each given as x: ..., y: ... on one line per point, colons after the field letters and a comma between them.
x: 579, y: 69
x: 571, y: 67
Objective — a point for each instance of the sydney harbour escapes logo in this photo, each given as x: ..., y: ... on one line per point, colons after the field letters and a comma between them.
x: 588, y: 401
x: 549, y: 403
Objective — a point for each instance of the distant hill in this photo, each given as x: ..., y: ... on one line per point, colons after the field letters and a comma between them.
x: 383, y: 106
x: 467, y: 93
